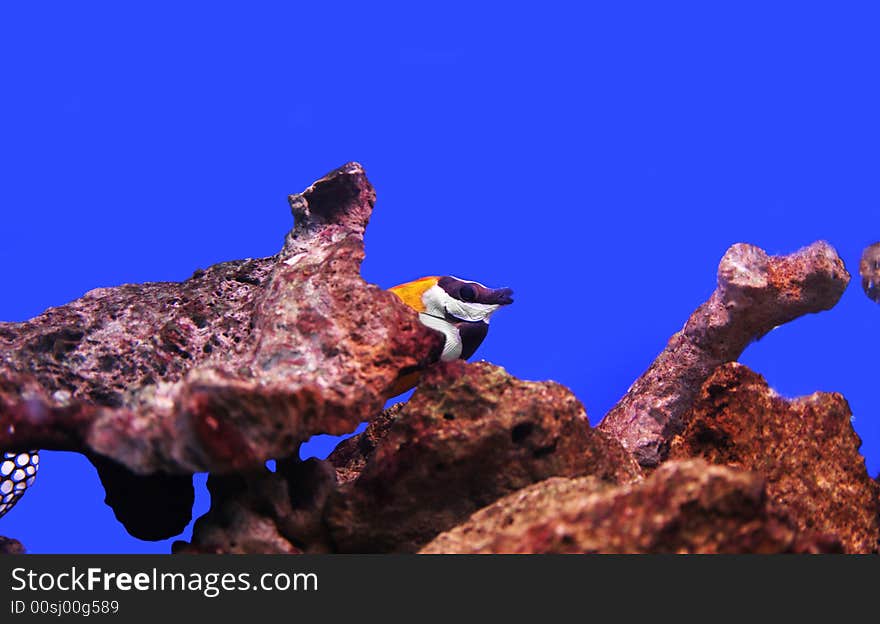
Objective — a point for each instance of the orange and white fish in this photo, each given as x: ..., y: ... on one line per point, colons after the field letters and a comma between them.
x: 459, y: 309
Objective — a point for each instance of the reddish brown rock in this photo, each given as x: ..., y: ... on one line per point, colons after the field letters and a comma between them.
x: 9, y: 546
x: 470, y: 434
x: 755, y: 293
x: 236, y: 365
x: 869, y: 269
x: 351, y: 455
x: 806, y: 449
x: 243, y: 518
x: 263, y: 512
x: 683, y: 507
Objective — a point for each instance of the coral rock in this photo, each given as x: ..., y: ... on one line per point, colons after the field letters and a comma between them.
x: 470, y: 434
x: 755, y: 293
x: 234, y: 366
x: 869, y: 269
x: 683, y: 507
x: 266, y: 512
x: 351, y: 455
x: 806, y: 449
x: 9, y: 546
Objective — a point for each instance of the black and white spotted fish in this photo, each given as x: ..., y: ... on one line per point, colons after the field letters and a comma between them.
x: 458, y: 308
x: 17, y: 474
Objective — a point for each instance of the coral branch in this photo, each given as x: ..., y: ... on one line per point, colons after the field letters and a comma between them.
x: 236, y: 365
x: 755, y: 293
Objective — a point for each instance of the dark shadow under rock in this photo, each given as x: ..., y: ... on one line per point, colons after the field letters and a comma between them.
x: 470, y: 434
x: 806, y: 449
x: 150, y: 507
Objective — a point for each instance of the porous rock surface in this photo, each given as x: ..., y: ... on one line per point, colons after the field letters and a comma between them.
x: 683, y: 507
x: 755, y: 293
x: 234, y: 366
x: 9, y: 546
x: 227, y: 369
x: 470, y: 434
x: 805, y: 448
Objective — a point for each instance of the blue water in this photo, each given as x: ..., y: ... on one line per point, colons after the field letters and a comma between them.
x: 598, y: 160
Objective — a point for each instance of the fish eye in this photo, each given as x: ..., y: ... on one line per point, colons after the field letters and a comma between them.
x: 876, y: 264
x: 467, y: 293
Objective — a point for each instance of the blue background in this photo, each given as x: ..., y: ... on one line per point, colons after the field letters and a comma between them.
x: 597, y: 160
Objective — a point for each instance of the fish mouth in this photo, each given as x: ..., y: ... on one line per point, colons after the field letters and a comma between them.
x: 501, y: 296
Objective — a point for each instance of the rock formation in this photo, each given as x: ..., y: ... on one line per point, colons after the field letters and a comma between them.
x: 683, y: 507
x: 246, y: 359
x: 869, y: 269
x: 806, y: 450
x: 235, y: 366
x: 261, y: 511
x: 470, y: 434
x: 9, y: 546
x: 755, y: 294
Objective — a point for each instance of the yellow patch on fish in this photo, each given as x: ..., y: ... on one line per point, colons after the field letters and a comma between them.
x: 411, y: 292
